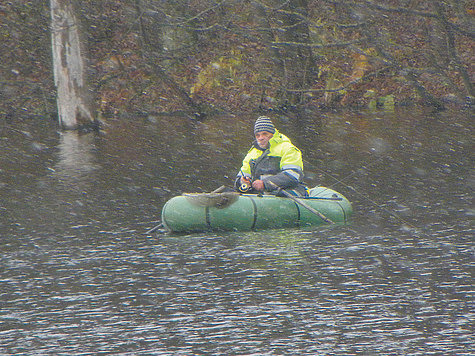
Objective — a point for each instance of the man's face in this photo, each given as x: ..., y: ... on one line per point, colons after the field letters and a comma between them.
x: 263, y: 138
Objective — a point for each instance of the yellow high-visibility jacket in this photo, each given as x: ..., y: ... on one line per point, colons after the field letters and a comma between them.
x: 281, y: 163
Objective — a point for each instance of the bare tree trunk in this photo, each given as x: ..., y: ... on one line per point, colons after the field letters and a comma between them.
x: 150, y: 55
x: 452, y: 49
x: 299, y: 66
x: 73, y: 99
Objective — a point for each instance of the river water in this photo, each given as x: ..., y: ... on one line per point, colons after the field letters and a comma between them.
x: 79, y: 276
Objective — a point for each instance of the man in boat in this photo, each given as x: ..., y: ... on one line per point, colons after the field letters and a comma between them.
x: 273, y: 162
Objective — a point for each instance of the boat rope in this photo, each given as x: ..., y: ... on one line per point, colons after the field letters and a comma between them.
x: 254, y: 209
x: 298, y: 213
x: 207, y: 217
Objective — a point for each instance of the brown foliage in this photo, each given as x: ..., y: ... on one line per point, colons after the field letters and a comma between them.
x: 165, y: 55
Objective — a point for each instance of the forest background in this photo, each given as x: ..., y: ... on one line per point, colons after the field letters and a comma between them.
x: 203, y: 56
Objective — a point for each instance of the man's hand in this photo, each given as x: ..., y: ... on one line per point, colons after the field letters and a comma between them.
x: 258, y: 185
x: 245, y: 180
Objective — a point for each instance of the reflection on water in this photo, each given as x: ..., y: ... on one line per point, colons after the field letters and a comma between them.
x: 78, y: 275
x: 76, y: 156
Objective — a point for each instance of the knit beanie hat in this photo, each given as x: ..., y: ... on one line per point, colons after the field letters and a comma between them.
x: 263, y: 123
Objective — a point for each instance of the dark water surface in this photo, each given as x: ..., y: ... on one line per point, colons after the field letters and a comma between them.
x: 78, y: 275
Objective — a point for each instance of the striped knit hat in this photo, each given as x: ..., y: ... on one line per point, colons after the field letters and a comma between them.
x: 263, y: 123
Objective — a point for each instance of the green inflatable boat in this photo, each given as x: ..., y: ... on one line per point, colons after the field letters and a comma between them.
x: 232, y: 211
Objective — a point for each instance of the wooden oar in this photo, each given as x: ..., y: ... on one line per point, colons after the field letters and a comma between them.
x: 155, y: 228
x: 219, y: 190
x: 298, y: 201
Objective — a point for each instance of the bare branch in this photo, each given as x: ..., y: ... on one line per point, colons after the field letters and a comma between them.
x: 343, y: 87
x: 314, y: 45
